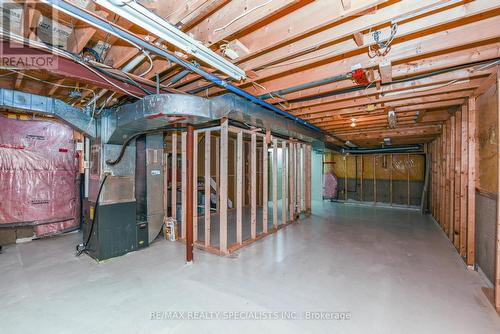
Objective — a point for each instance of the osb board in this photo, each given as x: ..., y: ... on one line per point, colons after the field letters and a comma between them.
x: 487, y: 130
x: 400, y: 165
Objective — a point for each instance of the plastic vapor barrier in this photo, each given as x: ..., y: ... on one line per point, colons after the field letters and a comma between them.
x: 38, y: 176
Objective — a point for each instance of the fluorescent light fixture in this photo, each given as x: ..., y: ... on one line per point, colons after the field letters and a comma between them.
x: 350, y: 144
x: 158, y: 26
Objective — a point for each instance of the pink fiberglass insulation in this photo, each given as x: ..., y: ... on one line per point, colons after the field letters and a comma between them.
x: 38, y: 175
x: 329, y: 186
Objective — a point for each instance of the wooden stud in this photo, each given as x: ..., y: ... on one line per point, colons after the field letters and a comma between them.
x: 390, y: 179
x: 244, y: 173
x: 464, y: 175
x: 165, y: 184
x: 458, y: 149
x: 224, y: 140
x: 497, y: 239
x: 283, y: 183
x: 374, y: 180
x: 195, y: 187
x: 264, y: 184
x: 173, y: 187
x: 235, y: 168
x: 275, y: 183
x: 208, y: 187
x: 307, y: 179
x: 291, y: 185
x: 253, y: 185
x: 471, y: 190
x: 183, y: 183
x: 408, y: 166
x: 239, y: 187
x: 298, y: 180
x: 345, y: 178
x: 217, y: 174
x: 361, y: 178
x: 451, y: 212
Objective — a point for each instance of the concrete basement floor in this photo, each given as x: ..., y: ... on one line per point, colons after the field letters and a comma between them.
x: 392, y: 269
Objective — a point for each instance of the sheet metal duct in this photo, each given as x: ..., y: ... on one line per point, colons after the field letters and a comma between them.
x: 238, y: 109
x: 27, y: 102
x: 165, y: 110
x: 151, y: 113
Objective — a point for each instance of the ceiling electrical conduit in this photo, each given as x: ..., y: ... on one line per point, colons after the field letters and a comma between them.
x: 117, y: 31
x: 363, y: 87
x: 393, y: 149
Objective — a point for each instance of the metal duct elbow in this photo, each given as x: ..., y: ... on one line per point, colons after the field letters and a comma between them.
x: 151, y: 113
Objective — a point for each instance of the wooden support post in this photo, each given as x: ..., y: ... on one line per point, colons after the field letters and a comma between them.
x: 464, y: 174
x: 239, y: 188
x: 195, y: 186
x: 224, y: 141
x: 253, y: 186
x: 188, y: 173
x: 183, y: 184
x: 173, y: 187
x: 265, y: 183
x: 208, y: 187
x: 275, y: 183
x: 283, y: 183
x: 471, y: 221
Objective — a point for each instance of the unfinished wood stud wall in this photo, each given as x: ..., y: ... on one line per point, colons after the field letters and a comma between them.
x: 453, y: 180
x: 263, y: 174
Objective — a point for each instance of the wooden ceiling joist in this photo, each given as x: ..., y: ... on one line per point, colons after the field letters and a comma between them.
x: 437, y: 60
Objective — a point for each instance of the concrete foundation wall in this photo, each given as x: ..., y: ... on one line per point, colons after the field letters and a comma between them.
x: 383, y: 193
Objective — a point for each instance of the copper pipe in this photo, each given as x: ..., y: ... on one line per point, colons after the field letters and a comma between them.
x: 189, y: 194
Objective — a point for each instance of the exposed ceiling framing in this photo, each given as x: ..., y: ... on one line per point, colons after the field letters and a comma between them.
x: 441, y: 52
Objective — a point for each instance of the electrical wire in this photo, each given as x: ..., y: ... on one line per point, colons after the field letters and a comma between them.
x: 80, y: 248
x: 48, y: 82
x: 65, y: 54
